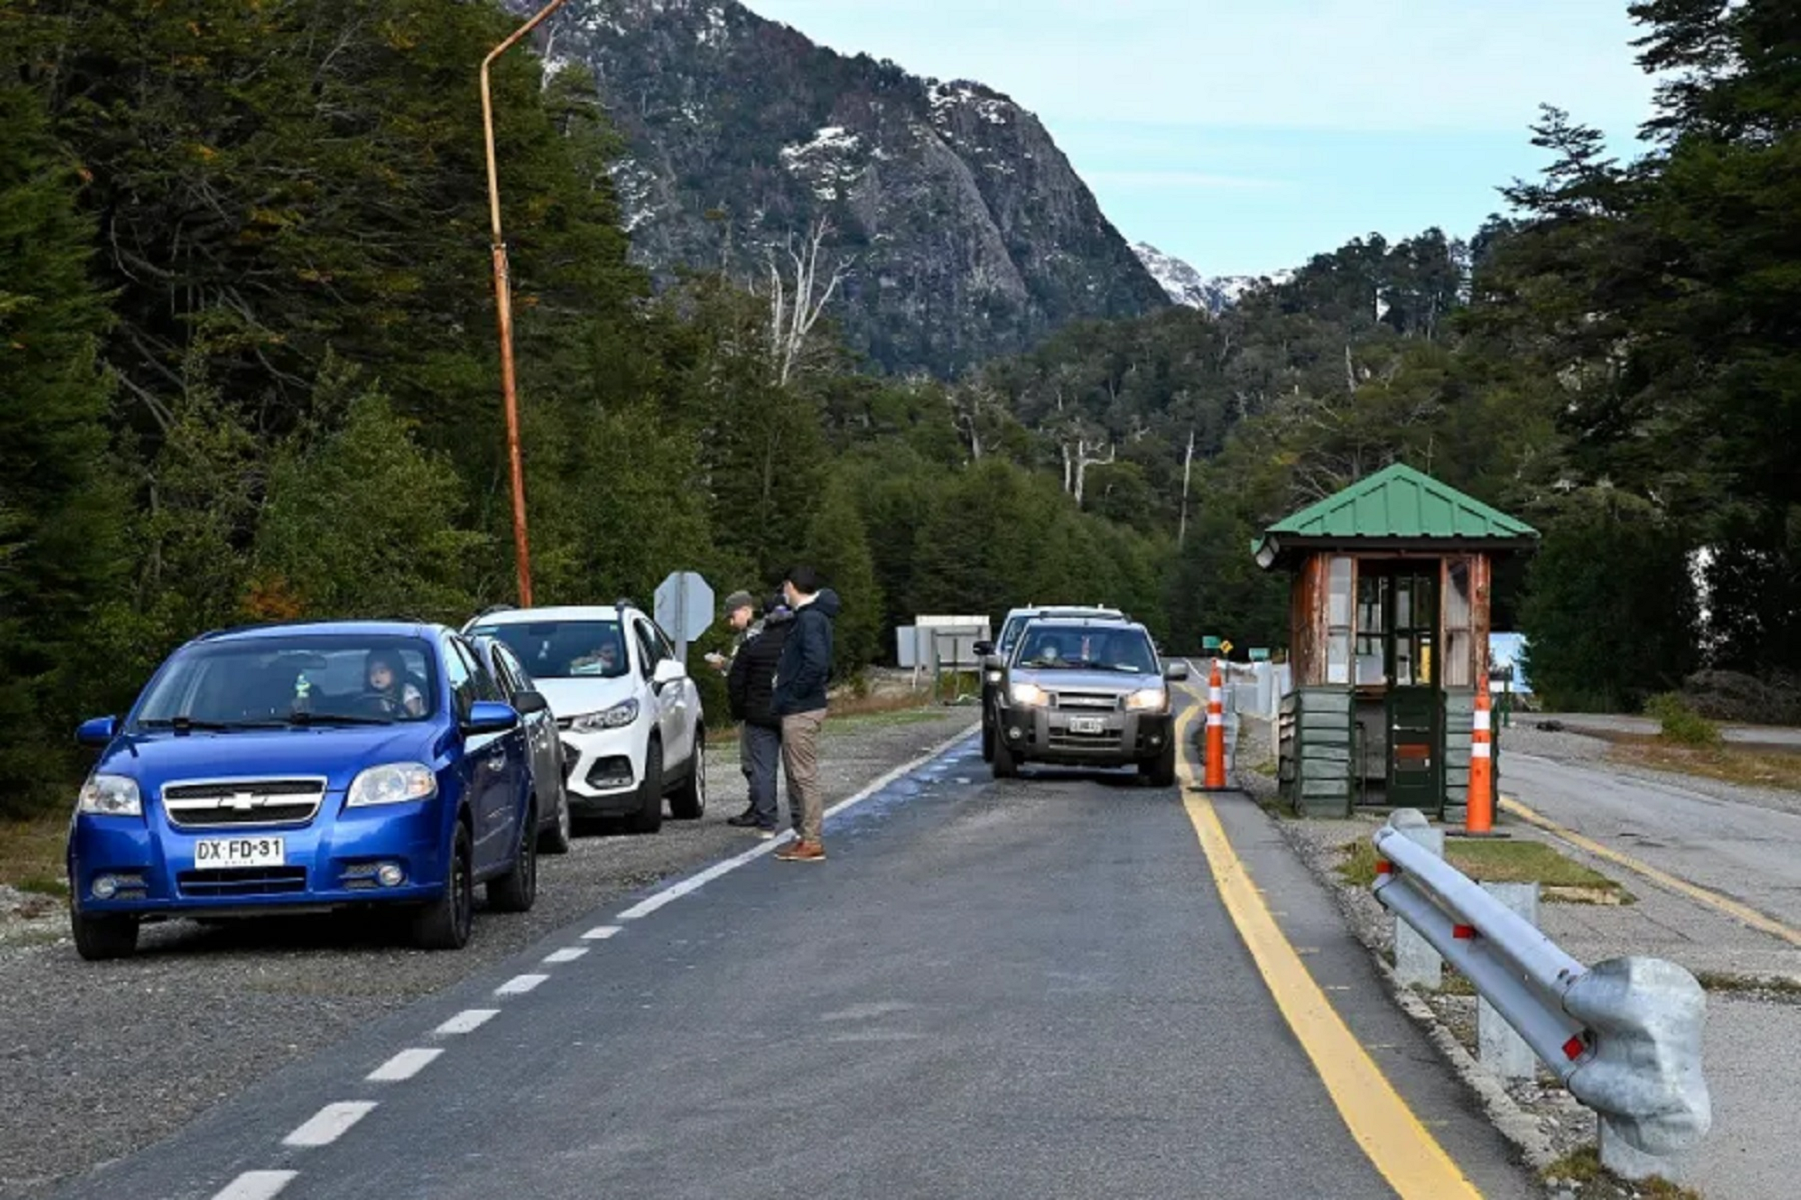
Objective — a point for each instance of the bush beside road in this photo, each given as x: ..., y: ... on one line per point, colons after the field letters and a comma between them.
x: 82, y: 1082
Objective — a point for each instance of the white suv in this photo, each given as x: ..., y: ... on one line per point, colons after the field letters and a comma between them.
x: 627, y: 711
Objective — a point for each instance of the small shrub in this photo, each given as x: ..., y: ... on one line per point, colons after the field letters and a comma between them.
x: 1681, y: 723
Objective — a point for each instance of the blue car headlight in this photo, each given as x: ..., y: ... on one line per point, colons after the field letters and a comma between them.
x: 111, y: 796
x: 617, y: 717
x: 392, y: 783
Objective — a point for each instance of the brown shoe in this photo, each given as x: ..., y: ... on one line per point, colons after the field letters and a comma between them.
x: 802, y: 852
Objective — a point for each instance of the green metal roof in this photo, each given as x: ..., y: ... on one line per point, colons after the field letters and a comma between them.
x: 1398, y: 504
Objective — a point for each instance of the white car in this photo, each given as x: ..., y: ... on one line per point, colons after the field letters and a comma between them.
x: 627, y: 711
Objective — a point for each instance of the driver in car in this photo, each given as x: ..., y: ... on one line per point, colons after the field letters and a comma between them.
x: 601, y: 660
x: 385, y: 676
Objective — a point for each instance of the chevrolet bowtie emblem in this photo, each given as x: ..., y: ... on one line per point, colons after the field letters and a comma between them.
x: 241, y: 801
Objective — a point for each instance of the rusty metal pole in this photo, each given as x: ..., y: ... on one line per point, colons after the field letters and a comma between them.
x: 503, y: 307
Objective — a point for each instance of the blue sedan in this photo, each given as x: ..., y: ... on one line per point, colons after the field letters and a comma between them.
x: 307, y: 768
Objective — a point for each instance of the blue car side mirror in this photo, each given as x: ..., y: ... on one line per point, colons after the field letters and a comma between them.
x: 97, y: 733
x: 490, y: 716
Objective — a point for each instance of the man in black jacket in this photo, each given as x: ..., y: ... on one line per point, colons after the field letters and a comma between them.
x: 750, y: 687
x: 800, y: 702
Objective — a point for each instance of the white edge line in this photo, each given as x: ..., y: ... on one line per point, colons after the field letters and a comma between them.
x: 467, y: 1021
x: 676, y: 891
x: 600, y: 933
x: 404, y: 1065
x: 256, y: 1185
x: 566, y: 954
x: 329, y: 1123
x: 518, y: 985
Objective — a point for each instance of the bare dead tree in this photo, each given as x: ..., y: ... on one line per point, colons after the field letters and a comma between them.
x: 797, y: 298
x: 970, y: 403
x: 1187, y: 472
x: 1077, y: 458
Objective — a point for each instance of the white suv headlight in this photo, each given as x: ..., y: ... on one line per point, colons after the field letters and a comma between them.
x: 1148, y: 700
x: 392, y: 783
x: 1029, y: 695
x: 617, y: 717
x: 111, y: 796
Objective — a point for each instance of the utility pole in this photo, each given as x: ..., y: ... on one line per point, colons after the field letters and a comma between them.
x: 503, y: 307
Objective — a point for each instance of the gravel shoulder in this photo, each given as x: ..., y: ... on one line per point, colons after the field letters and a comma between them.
x: 99, y: 1060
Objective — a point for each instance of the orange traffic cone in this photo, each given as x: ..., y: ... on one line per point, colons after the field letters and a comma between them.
x: 1214, y: 778
x: 1479, y: 812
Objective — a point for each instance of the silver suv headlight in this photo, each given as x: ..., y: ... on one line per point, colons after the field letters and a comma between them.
x: 111, y: 796
x: 1148, y: 700
x: 617, y: 717
x: 392, y: 783
x: 1028, y: 695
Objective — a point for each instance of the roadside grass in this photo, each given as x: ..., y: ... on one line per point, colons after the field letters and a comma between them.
x: 877, y: 710
x: 1764, y: 987
x: 1517, y: 860
x: 1584, y: 1167
x: 1728, y: 762
x: 31, y: 855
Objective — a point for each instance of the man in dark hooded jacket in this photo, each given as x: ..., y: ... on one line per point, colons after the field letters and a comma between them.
x: 800, y: 702
x: 750, y: 687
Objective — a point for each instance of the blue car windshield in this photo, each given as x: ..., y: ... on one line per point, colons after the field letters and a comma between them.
x: 303, y: 680
x: 1082, y: 647
x: 563, y: 649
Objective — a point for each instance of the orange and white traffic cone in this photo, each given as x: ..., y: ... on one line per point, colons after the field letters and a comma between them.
x: 1214, y: 777
x: 1479, y: 811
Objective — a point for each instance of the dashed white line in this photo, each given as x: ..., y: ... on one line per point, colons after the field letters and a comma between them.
x: 404, y: 1065
x: 518, y: 985
x: 567, y: 954
x: 329, y: 1123
x: 256, y: 1185
x: 694, y: 883
x: 600, y: 933
x: 467, y: 1021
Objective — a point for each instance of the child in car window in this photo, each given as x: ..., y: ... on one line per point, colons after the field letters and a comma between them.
x: 385, y: 675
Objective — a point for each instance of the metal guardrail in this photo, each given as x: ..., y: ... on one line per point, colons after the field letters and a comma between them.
x: 1624, y: 1036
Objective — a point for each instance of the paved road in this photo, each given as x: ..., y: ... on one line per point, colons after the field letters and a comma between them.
x: 1744, y: 851
x: 1028, y: 989
x: 1719, y: 891
x: 1750, y: 735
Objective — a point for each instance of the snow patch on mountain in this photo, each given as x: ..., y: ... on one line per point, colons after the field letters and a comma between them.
x: 1183, y: 284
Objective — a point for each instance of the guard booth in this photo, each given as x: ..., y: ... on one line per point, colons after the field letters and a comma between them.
x: 1388, y: 637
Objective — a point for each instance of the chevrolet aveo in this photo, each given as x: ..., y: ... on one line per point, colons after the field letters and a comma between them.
x: 307, y: 768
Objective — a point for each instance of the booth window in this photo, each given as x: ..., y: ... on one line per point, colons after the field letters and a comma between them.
x: 1460, y: 656
x: 1339, y: 580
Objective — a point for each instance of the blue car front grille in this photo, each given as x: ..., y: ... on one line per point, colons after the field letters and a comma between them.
x: 242, y: 881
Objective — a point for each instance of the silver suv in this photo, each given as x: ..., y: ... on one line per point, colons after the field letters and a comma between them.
x: 1091, y: 691
x: 995, y: 654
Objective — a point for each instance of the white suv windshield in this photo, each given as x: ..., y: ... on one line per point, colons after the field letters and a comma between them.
x: 563, y: 649
x: 1085, y: 647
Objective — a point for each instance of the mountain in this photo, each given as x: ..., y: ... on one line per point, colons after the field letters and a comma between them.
x: 964, y: 232
x: 1184, y: 285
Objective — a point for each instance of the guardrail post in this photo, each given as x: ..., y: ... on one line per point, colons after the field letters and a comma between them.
x: 1503, y: 1051
x: 1416, y: 962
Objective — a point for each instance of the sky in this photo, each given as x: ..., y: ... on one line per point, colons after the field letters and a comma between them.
x: 1247, y: 135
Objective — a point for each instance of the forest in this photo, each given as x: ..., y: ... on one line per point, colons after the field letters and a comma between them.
x: 248, y: 371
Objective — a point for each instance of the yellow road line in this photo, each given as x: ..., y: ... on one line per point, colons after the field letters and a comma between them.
x: 1732, y: 908
x: 1398, y: 1145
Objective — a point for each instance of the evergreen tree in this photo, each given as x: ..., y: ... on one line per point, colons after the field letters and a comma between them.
x: 838, y: 549
x: 60, y: 513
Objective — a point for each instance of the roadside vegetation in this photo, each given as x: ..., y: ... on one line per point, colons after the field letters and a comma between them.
x: 1513, y: 860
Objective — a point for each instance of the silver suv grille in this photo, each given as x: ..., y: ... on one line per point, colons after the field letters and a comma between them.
x: 204, y: 803
x: 1096, y: 701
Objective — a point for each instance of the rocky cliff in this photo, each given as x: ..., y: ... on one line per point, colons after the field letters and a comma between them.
x: 965, y: 231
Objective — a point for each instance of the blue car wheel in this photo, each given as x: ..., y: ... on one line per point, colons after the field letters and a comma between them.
x: 445, y: 923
